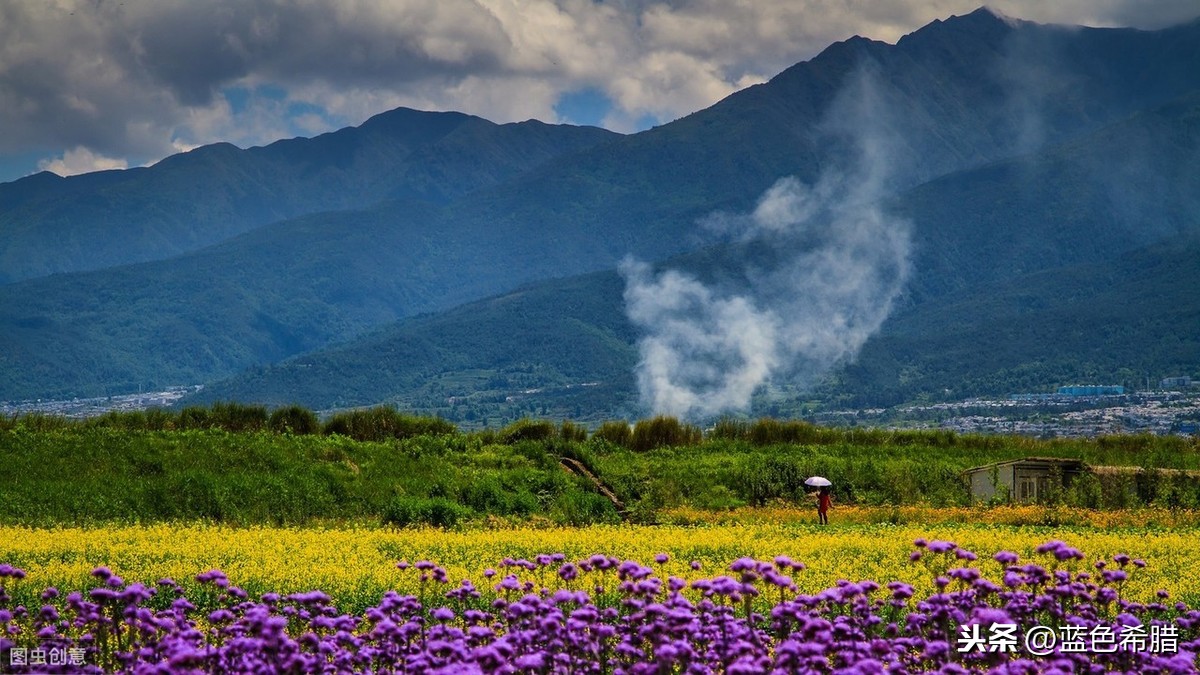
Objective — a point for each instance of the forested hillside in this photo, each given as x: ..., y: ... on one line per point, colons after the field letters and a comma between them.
x: 1011, y: 148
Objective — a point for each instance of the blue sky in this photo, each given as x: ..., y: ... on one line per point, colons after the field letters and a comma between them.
x: 95, y: 84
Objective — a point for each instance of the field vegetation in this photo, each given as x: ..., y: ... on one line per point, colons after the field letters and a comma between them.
x: 245, y: 465
x: 223, y: 537
x: 592, y: 613
x: 356, y: 565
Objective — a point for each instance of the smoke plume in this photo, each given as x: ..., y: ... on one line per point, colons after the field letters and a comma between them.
x: 808, y: 276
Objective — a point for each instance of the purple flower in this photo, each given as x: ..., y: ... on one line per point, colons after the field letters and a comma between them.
x: 216, y: 577
x: 1051, y: 546
x: 964, y: 574
x: 987, y: 616
x: 938, y: 546
x: 743, y: 564
x: 309, y: 598
x: 1065, y: 553
x: 722, y: 625
x: 1006, y: 557
x: 102, y: 594
x: 568, y: 572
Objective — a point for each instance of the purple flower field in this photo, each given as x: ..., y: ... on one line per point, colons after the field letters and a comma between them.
x: 605, y: 615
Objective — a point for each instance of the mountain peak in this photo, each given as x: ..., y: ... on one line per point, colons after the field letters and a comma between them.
x: 39, y: 178
x: 413, y: 115
x: 417, y: 126
x: 983, y: 24
x: 987, y: 14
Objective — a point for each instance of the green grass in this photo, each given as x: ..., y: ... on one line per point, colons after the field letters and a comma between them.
x: 83, y: 475
x: 239, y: 464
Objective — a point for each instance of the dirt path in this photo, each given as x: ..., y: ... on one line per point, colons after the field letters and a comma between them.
x: 576, y: 467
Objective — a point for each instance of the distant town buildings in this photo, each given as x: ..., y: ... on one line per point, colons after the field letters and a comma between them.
x: 80, y: 408
x: 1182, y: 382
x: 1092, y: 390
x: 1042, y: 415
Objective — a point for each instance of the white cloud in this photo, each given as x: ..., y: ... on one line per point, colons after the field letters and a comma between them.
x: 80, y: 160
x: 138, y: 79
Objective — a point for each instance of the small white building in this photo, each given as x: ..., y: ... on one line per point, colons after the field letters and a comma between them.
x: 1027, y: 480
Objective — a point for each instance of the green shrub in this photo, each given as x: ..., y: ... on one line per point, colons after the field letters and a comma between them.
x: 238, y: 417
x: 1119, y: 490
x: 580, y: 454
x: 383, y: 423
x: 527, y: 430
x: 572, y: 433
x: 730, y: 429
x: 1085, y: 492
x: 760, y: 481
x: 154, y: 419
x: 487, y: 494
x: 616, y: 432
x: 484, y: 437
x: 662, y: 432
x: 767, y: 431
x: 718, y: 498
x: 195, y: 417
x: 542, y: 455
x: 41, y: 422
x: 576, y: 507
x: 405, y: 510
x: 294, y: 419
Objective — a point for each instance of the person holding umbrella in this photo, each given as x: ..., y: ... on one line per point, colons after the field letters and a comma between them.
x: 824, y: 498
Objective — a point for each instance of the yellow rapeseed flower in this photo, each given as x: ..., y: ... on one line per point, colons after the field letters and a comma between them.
x: 355, y: 565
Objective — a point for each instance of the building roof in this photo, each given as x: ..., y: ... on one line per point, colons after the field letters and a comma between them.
x: 1059, y: 461
x: 1079, y: 465
x: 1117, y: 470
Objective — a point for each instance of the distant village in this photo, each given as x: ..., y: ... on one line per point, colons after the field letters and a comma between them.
x: 1072, y: 411
x: 80, y: 408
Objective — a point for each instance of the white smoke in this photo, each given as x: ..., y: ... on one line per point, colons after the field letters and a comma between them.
x: 702, y: 352
x: 819, y: 271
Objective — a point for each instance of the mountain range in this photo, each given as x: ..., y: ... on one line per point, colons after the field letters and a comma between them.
x: 441, y: 262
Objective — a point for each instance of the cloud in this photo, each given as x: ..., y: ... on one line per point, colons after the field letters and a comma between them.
x: 80, y: 160
x: 138, y: 79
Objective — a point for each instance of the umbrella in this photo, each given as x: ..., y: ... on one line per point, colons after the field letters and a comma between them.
x: 817, y: 481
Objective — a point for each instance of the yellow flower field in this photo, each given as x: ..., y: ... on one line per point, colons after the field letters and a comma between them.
x: 356, y: 565
x: 1016, y: 514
